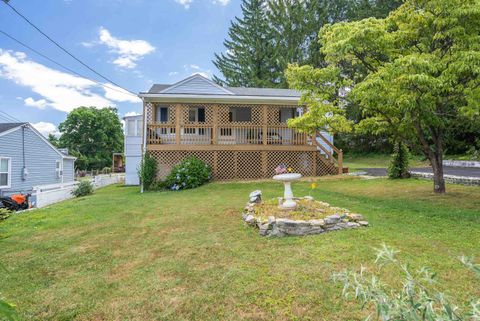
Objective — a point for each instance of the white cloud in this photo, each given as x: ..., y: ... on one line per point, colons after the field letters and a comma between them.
x: 193, y: 69
x: 132, y: 113
x: 41, y: 103
x: 184, y: 3
x: 118, y: 94
x: 59, y: 90
x: 173, y: 73
x: 128, y: 51
x: 46, y: 128
x: 221, y: 2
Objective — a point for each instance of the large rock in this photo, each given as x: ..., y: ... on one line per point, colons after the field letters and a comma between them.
x: 250, y: 219
x: 256, y: 196
x: 355, y: 217
x: 332, y: 219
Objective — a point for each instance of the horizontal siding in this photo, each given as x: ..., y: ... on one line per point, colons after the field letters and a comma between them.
x: 197, y: 86
x: 68, y: 170
x: 39, y: 159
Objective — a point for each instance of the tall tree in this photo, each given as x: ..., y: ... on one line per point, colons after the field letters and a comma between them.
x: 92, y: 134
x: 273, y: 33
x: 414, y: 75
x: 249, y: 50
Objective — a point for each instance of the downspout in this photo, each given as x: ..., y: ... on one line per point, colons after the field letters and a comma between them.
x: 24, y: 168
x: 144, y: 144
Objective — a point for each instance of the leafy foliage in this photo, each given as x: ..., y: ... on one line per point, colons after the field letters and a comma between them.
x: 4, y: 213
x: 92, y: 135
x: 417, y: 300
x: 148, y: 172
x: 414, y: 75
x: 274, y: 33
x: 190, y: 173
x: 399, y: 164
x: 84, y: 188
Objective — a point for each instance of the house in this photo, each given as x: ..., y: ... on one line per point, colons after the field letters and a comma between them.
x: 241, y: 133
x: 133, y: 148
x: 27, y: 159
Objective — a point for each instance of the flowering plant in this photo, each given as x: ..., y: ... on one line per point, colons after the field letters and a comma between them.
x: 283, y: 169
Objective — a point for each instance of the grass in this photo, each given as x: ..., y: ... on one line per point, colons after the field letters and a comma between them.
x: 357, y: 161
x: 120, y: 255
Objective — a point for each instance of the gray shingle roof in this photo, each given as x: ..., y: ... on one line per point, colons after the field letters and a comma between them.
x: 242, y: 91
x: 269, y: 92
x: 7, y: 126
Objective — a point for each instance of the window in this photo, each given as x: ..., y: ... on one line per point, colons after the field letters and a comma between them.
x: 139, y: 127
x: 286, y: 114
x: 58, y: 169
x: 5, y: 172
x: 196, y: 115
x: 161, y: 114
x: 131, y: 127
x: 240, y: 114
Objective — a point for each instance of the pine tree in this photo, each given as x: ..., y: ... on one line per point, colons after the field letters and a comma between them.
x: 290, y: 34
x: 249, y: 56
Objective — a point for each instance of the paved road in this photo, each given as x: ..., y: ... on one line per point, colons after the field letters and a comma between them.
x: 457, y: 171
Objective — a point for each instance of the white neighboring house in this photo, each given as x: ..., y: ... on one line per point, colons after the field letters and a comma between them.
x: 133, y: 148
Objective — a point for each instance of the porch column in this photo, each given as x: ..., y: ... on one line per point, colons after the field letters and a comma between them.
x: 215, y: 125
x: 178, y: 116
x: 264, y: 124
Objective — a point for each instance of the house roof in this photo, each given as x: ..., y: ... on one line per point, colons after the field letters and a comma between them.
x: 7, y: 126
x: 201, y: 87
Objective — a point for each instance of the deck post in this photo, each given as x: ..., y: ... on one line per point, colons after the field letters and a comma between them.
x: 340, y: 161
x: 178, y: 116
x: 264, y: 163
x: 314, y: 163
x: 264, y: 125
x: 215, y: 125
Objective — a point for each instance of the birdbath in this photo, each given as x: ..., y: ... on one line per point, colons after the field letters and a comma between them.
x: 287, y: 179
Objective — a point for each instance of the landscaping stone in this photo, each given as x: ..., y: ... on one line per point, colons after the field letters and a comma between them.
x: 279, y: 227
x: 256, y: 196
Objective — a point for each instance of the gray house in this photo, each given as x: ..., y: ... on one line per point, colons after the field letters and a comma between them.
x: 27, y: 159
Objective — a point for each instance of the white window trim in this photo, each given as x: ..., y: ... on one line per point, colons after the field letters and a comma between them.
x: 59, y: 171
x: 9, y: 172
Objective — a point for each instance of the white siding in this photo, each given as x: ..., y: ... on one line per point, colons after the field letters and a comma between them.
x: 133, y: 151
x: 197, y: 85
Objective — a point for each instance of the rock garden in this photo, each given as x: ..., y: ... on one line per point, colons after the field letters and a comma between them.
x: 296, y: 216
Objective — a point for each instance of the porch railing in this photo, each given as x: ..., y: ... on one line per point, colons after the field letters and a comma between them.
x: 224, y: 135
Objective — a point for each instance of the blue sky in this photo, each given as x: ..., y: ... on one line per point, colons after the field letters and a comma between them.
x: 133, y: 42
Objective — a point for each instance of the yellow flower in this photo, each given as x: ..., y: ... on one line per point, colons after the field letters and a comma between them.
x: 290, y: 170
x: 313, y: 186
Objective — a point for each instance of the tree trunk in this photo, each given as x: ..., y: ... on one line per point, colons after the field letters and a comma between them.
x: 438, y: 180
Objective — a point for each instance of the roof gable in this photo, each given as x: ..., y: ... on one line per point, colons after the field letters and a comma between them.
x: 196, y: 85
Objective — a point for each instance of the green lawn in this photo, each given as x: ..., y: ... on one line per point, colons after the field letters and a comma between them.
x: 357, y: 161
x: 120, y: 255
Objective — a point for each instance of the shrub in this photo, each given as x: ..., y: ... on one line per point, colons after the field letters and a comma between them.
x: 418, y: 299
x: 190, y: 173
x: 148, y: 172
x: 4, y: 213
x: 399, y: 164
x: 84, y: 188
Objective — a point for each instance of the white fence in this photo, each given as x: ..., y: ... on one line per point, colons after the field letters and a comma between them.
x: 49, y: 194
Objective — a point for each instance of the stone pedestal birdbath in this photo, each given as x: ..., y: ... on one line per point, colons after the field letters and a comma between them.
x: 287, y: 179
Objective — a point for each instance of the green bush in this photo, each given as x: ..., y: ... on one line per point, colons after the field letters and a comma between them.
x: 418, y: 298
x: 84, y: 188
x: 148, y: 172
x: 399, y: 164
x: 4, y: 213
x: 190, y: 173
